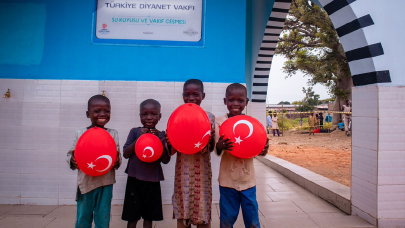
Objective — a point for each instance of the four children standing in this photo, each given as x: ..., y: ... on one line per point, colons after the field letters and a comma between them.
x: 192, y: 197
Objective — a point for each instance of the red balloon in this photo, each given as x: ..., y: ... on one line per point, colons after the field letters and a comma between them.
x: 189, y: 129
x: 248, y: 135
x: 148, y: 148
x: 95, y: 152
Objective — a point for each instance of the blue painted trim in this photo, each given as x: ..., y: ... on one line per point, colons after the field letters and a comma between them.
x: 69, y: 54
x: 122, y: 80
x: 160, y: 43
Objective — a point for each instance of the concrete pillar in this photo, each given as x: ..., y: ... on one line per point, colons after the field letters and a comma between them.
x: 258, y: 111
x: 378, y: 155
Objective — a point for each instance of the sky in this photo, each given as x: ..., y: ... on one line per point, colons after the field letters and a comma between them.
x: 288, y: 89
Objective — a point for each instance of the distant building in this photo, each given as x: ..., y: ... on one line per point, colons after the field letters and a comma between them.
x: 321, y: 107
x: 279, y: 108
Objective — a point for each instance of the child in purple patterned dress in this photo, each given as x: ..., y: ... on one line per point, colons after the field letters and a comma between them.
x: 192, y: 196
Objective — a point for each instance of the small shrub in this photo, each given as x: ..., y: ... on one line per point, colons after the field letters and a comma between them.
x: 286, y: 124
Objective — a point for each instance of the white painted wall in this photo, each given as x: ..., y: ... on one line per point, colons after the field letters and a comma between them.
x: 38, y: 121
x: 378, y: 148
x: 378, y: 155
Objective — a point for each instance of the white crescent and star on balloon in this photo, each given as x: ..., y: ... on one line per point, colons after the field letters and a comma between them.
x: 197, y: 145
x: 91, y: 166
x: 151, y: 150
x: 107, y: 157
x: 238, y: 140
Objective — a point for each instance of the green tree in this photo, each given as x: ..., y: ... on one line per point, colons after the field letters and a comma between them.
x: 310, y: 100
x: 311, y: 45
x: 284, y: 103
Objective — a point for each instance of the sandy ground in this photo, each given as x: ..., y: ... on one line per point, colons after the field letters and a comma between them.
x: 328, y: 154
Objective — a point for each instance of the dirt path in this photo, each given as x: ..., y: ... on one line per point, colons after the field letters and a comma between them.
x: 326, y: 154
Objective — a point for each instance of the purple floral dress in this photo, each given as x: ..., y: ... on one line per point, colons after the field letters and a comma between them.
x: 192, y: 196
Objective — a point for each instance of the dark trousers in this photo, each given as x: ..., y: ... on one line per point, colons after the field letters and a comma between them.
x: 274, y: 132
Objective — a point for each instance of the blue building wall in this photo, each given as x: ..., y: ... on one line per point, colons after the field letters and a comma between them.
x: 53, y: 41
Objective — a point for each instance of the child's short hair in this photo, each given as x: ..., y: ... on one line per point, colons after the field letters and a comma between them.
x: 97, y: 98
x: 235, y: 86
x: 197, y: 82
x: 150, y: 101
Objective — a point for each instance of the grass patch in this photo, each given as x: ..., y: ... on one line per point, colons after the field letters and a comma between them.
x: 289, y: 124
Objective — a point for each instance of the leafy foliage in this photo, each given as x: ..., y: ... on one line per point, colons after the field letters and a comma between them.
x: 286, y: 123
x: 310, y: 101
x: 311, y: 45
x: 327, y: 100
x: 284, y: 103
x: 294, y: 124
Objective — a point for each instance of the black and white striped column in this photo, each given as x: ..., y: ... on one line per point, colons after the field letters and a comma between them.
x: 263, y: 64
x: 359, y: 52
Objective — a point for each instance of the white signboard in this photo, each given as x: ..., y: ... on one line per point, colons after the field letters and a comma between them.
x: 171, y: 20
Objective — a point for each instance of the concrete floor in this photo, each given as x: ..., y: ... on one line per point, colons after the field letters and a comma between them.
x: 282, y: 203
